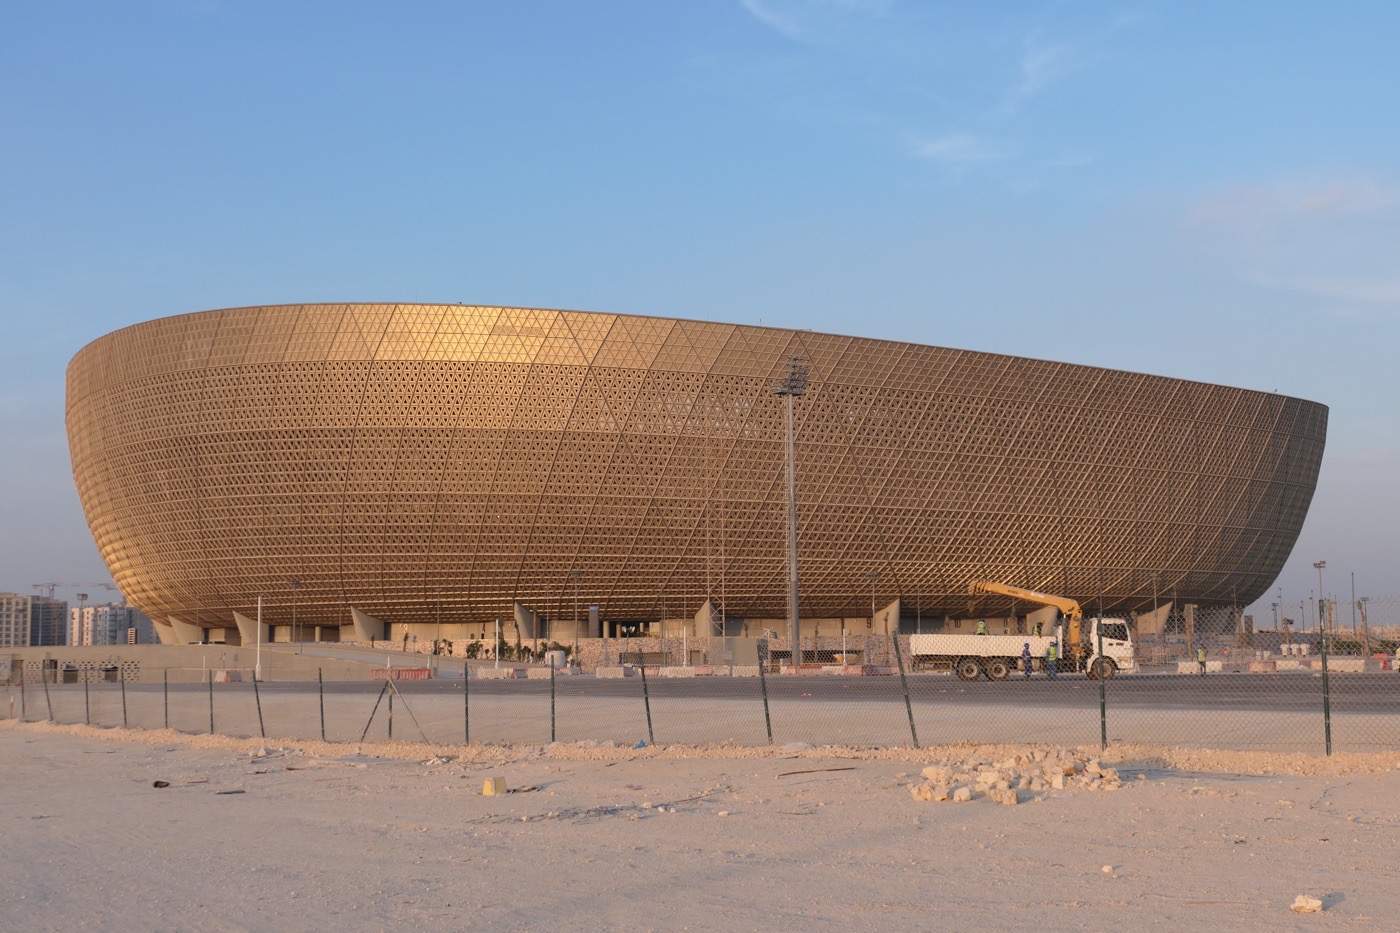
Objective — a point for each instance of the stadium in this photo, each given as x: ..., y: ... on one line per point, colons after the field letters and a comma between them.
x: 427, y: 465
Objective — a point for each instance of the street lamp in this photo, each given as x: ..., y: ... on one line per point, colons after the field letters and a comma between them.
x: 575, y: 576
x: 1321, y: 605
x: 296, y: 632
x: 874, y: 577
x: 791, y: 386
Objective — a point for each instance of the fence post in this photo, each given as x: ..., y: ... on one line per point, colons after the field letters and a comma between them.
x: 87, y: 709
x: 321, y: 694
x: 466, y: 705
x: 23, y: 709
x: 646, y: 697
x: 257, y: 698
x: 908, y: 709
x: 391, y: 707
x: 1326, y: 692
x: 551, y: 701
x: 165, y: 691
x: 211, y: 702
x: 1103, y: 689
x: 48, y: 701
x: 382, y: 691
x: 121, y: 673
x: 763, y: 685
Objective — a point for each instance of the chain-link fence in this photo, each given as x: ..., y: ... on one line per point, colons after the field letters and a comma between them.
x: 1204, y: 681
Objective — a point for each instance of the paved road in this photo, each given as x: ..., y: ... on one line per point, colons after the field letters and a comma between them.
x: 1377, y: 692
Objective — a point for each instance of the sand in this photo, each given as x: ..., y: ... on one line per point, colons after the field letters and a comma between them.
x: 330, y: 836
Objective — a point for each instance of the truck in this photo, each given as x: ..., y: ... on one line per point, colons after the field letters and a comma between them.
x: 996, y: 656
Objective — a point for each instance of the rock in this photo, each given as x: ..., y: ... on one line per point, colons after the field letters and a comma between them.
x: 260, y: 752
x: 723, y: 813
x: 493, y: 787
x: 1302, y: 904
x: 937, y: 773
x: 962, y: 795
x: 1057, y: 781
x: 1003, y: 796
x: 1107, y: 869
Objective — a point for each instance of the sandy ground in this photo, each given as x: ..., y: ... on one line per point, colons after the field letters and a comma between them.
x: 322, y: 836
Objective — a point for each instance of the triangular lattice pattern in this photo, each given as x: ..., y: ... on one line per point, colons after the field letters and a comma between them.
x: 398, y: 458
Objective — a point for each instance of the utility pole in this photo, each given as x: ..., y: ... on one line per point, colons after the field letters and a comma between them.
x: 1321, y: 604
x: 296, y: 588
x: 574, y: 576
x: 792, y: 386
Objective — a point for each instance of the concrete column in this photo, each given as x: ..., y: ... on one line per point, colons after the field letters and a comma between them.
x: 364, y: 627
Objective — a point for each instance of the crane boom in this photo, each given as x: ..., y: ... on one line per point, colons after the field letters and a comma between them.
x: 1063, y: 603
x: 1073, y: 614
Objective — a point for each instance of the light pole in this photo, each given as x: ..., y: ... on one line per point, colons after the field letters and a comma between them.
x: 793, y: 385
x: 874, y: 577
x: 1365, y: 623
x: 257, y: 663
x: 437, y: 638
x: 1355, y: 637
x: 1321, y: 604
x: 296, y: 587
x: 574, y: 576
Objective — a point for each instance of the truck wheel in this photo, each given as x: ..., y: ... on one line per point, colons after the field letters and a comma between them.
x: 1105, y: 668
x: 968, y: 669
x: 998, y: 669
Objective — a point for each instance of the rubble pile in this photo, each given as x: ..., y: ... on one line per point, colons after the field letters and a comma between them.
x: 1011, y: 780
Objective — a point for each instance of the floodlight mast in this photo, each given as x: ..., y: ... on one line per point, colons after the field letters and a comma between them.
x: 791, y: 386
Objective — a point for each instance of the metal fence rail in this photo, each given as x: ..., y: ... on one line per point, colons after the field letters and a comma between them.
x: 1351, y: 704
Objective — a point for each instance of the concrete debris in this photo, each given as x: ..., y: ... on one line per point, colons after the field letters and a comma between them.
x: 1302, y: 904
x: 1002, y: 780
x: 493, y: 787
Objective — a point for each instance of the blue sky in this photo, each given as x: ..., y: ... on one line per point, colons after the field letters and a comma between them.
x: 1202, y: 190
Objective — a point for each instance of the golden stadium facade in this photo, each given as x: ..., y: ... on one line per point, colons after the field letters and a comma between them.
x: 426, y: 463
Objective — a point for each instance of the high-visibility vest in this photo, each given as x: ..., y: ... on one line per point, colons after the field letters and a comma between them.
x: 1050, y: 653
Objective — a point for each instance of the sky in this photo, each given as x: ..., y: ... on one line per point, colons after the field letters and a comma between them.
x: 1203, y: 190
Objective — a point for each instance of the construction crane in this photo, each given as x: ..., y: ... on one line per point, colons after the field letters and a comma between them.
x: 1073, y: 613
x: 52, y: 586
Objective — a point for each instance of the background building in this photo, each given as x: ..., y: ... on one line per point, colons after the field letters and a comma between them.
x: 448, y: 464
x: 31, y: 620
x: 47, y: 620
x: 109, y: 624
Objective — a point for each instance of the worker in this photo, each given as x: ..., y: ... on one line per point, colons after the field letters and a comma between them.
x: 1201, y: 659
x: 1052, y: 661
x: 981, y: 626
x: 1026, y: 659
x: 1037, y: 629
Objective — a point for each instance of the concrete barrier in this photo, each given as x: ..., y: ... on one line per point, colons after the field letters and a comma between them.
x: 401, y: 673
x: 675, y: 671
x: 624, y: 670
x: 497, y: 673
x: 1263, y: 667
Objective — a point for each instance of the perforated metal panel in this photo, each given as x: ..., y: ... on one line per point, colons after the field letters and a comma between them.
x: 393, y: 456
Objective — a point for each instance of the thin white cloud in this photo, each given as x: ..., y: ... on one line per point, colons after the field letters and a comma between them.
x: 781, y: 22
x: 1338, y: 241
x: 1041, y: 65
x: 803, y: 20
x: 960, y: 149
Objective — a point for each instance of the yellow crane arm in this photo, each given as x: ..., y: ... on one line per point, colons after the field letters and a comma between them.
x: 1066, y: 605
